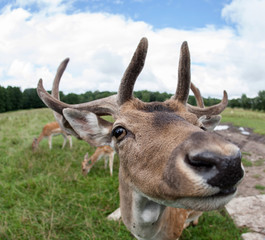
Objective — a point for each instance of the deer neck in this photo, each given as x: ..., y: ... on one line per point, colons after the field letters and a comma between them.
x: 38, y: 140
x: 146, y: 219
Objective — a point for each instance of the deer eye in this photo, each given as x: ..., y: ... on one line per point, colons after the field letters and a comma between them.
x: 119, y: 133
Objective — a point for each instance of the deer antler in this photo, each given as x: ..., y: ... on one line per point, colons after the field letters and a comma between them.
x: 212, y: 110
x: 132, y: 72
x: 197, y: 94
x: 104, y: 106
x: 56, y: 81
x: 184, y: 84
x: 182, y: 92
x: 55, y: 90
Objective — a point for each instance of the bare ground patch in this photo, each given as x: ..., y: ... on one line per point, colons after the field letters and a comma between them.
x: 253, y: 153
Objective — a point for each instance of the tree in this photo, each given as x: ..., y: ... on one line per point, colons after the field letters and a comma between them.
x: 14, y: 96
x: 260, y: 101
x: 234, y: 103
x: 192, y: 100
x: 31, y: 99
x: 2, y: 99
x: 245, y: 102
x: 72, y: 98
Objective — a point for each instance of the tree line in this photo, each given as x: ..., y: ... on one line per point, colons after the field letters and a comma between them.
x: 12, y: 98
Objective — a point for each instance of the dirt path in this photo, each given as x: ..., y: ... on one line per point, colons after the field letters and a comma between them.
x: 253, y: 152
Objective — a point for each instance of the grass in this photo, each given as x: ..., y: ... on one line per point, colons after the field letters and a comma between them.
x: 246, y: 162
x: 245, y: 118
x: 213, y: 225
x: 260, y: 187
x: 43, y: 195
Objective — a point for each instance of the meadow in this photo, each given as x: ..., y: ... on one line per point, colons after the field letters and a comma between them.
x: 245, y: 118
x: 43, y: 194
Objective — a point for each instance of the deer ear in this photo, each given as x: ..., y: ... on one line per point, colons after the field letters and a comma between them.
x: 91, y: 128
x: 210, y: 122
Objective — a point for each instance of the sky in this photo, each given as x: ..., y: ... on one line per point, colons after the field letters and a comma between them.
x: 226, y: 39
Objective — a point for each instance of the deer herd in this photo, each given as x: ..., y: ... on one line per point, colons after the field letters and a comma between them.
x: 171, y: 165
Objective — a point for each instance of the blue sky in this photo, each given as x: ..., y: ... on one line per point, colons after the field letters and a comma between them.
x: 161, y: 14
x: 226, y: 40
x: 181, y: 14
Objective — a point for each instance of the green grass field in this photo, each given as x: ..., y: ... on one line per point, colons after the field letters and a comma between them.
x: 245, y: 118
x: 43, y: 195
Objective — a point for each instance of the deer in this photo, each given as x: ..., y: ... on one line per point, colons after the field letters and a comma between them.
x: 48, y: 131
x: 170, y: 166
x: 103, y: 151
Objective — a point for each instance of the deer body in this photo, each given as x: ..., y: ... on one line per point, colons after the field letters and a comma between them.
x: 48, y: 131
x: 170, y: 164
x: 103, y: 151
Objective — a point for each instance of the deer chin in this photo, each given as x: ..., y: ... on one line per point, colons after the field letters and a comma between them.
x: 200, y: 203
x: 206, y: 203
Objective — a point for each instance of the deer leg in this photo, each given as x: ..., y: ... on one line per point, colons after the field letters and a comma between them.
x: 50, y: 141
x: 70, y: 141
x: 115, y: 216
x: 85, y: 163
x: 193, y: 218
x: 196, y: 218
x: 105, y: 161
x: 64, y: 140
x: 111, y: 160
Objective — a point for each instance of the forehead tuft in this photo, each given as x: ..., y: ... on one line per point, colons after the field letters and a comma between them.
x: 161, y: 119
x: 156, y: 107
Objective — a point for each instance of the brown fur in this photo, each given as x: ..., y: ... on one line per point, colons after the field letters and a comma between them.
x: 102, y: 151
x: 48, y: 131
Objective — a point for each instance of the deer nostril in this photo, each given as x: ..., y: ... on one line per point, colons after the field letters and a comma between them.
x: 203, y: 164
x: 219, y: 170
x: 201, y: 160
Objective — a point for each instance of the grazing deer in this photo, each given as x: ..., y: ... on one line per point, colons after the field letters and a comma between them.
x: 103, y: 151
x: 48, y: 131
x: 169, y: 163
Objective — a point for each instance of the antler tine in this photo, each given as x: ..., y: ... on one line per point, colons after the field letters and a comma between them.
x: 212, y: 110
x: 56, y: 81
x: 136, y: 65
x: 197, y: 94
x: 55, y: 89
x: 103, y: 106
x: 182, y: 92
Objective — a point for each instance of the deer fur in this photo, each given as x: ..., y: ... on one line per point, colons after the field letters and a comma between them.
x: 103, y: 151
x: 48, y: 131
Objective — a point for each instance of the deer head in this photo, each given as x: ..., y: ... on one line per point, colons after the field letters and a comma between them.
x: 34, y: 144
x: 166, y: 154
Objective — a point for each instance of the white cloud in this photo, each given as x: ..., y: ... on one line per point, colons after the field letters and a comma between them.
x: 32, y: 44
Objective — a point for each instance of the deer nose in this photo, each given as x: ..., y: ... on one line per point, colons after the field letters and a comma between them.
x: 219, y: 171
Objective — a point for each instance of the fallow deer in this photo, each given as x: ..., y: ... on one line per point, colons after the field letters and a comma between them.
x: 169, y: 162
x: 48, y: 131
x: 103, y: 151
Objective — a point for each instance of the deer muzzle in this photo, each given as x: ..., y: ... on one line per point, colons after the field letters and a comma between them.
x: 223, y: 171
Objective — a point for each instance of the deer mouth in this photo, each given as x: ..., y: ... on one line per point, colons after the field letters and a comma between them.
x: 225, y: 192
x: 207, y: 203
x: 203, y: 203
